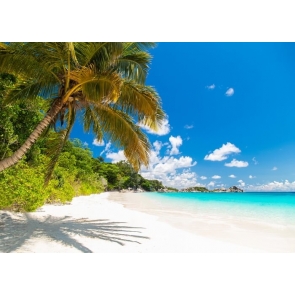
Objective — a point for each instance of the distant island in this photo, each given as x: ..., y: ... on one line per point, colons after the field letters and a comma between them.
x: 200, y: 189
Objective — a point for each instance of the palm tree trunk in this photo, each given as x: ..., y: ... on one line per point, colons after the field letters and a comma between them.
x: 12, y: 160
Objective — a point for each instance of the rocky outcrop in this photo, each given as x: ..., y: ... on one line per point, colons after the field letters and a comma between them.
x: 195, y: 189
x: 234, y: 189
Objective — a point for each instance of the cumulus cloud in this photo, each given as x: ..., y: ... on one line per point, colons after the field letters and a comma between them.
x: 254, y: 160
x: 223, y: 152
x: 232, y: 176
x: 116, y: 157
x: 211, y: 183
x: 211, y: 86
x: 203, y: 177
x: 175, y: 179
x: 176, y: 142
x: 216, y: 176
x: 98, y: 143
x: 274, y: 169
x: 230, y: 92
x: 274, y: 186
x: 85, y: 143
x: 189, y: 126
x: 163, y: 129
x: 251, y: 176
x: 170, y: 164
x: 241, y: 182
x: 236, y: 163
x: 170, y: 170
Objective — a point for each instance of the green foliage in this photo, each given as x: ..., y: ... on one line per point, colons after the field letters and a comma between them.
x: 172, y: 189
x: 76, y: 171
x: 196, y: 189
x: 102, y: 83
x: 21, y: 188
x: 151, y: 185
x: 17, y: 121
x: 122, y: 176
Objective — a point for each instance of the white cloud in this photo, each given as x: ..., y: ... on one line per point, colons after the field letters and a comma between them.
x: 189, y: 126
x: 203, y: 177
x: 274, y: 169
x: 170, y: 164
x: 98, y: 143
x: 251, y: 176
x: 235, y: 163
x: 274, y: 186
x: 211, y: 86
x: 223, y: 152
x: 176, y: 142
x: 175, y: 179
x: 106, y: 149
x: 242, y: 183
x: 116, y: 157
x: 85, y: 143
x: 232, y: 176
x: 163, y: 129
x: 230, y: 92
x: 211, y: 183
x: 171, y: 171
x: 158, y: 145
x: 216, y: 177
x: 254, y: 160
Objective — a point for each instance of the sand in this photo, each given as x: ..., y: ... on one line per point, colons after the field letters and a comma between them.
x: 96, y: 224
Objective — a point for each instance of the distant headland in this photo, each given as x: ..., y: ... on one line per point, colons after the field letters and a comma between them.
x: 200, y: 189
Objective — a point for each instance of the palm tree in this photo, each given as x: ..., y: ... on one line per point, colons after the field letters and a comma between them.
x: 102, y: 82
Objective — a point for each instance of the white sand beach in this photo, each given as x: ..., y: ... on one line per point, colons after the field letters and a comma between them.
x: 97, y: 224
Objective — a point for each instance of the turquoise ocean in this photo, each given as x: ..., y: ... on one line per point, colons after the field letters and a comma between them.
x: 262, y: 220
x: 277, y: 208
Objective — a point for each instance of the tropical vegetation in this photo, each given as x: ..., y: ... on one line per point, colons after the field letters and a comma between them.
x: 104, y: 83
x: 44, y: 89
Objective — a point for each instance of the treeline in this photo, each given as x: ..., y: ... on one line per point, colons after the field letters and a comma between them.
x: 22, y: 186
x: 195, y: 189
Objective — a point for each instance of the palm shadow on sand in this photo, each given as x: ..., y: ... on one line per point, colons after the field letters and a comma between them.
x: 14, y: 232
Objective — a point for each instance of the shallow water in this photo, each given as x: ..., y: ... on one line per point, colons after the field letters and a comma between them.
x: 264, y: 221
x: 274, y: 208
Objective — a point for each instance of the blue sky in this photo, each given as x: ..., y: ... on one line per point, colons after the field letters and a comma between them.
x: 231, y: 116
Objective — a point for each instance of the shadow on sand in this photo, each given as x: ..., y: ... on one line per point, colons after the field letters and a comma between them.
x: 14, y: 232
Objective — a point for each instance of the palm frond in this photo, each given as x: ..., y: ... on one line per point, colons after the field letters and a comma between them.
x: 143, y: 102
x: 92, y: 123
x: 24, y: 60
x: 97, y: 87
x: 105, y: 79
x: 139, y: 46
x: 30, y: 90
x: 101, y: 54
x: 71, y: 48
x: 122, y: 131
x: 134, y: 65
x: 3, y: 46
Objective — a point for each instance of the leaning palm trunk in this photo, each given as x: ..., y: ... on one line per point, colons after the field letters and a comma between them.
x: 12, y: 160
x: 106, y: 80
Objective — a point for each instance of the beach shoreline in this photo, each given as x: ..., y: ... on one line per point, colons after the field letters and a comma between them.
x: 245, y: 227
x: 101, y: 224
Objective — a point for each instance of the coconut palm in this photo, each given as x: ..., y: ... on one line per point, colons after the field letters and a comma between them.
x: 104, y: 83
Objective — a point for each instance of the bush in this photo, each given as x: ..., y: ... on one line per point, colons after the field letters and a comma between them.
x: 22, y: 188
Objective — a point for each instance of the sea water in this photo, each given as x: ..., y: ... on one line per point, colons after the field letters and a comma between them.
x: 264, y: 221
x: 277, y: 209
